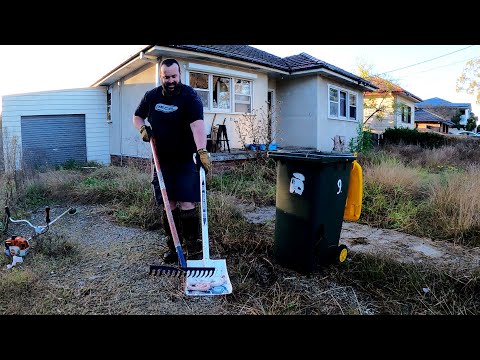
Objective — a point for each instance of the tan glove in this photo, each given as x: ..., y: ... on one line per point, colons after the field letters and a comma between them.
x: 204, y: 159
x: 146, y: 132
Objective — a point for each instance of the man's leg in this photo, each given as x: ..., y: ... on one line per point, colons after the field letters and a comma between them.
x: 190, y: 223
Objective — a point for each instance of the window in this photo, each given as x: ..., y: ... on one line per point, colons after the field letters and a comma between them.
x: 342, y: 104
x: 406, y: 114
x: 109, y: 105
x: 222, y: 93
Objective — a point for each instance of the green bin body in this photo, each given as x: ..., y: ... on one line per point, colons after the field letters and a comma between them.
x: 311, y: 193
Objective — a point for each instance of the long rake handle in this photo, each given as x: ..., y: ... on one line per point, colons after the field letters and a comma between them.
x: 166, y: 204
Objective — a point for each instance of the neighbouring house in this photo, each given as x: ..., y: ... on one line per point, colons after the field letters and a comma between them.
x: 390, y: 106
x: 426, y: 121
x: 446, y: 109
x: 297, y: 102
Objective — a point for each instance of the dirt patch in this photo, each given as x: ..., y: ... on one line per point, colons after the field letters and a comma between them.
x: 397, y: 245
x: 110, y: 274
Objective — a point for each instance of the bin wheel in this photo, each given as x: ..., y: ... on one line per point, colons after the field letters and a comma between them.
x: 342, y: 253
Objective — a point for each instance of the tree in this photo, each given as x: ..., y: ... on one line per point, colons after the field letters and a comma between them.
x: 456, y: 119
x: 471, y: 122
x: 469, y: 80
x: 376, y: 104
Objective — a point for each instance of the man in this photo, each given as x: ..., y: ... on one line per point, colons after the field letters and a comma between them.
x: 175, y: 114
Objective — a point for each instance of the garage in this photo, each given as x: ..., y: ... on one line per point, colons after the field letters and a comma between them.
x: 51, y: 140
x: 48, y: 128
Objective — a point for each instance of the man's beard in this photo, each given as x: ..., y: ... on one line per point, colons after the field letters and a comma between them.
x: 174, y: 91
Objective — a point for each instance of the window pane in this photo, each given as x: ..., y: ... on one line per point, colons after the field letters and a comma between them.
x: 199, y: 81
x: 333, y: 94
x: 221, y: 92
x: 204, y: 96
x: 343, y: 104
x: 353, y: 106
x: 353, y: 99
x: 243, y: 108
x: 242, y: 87
x: 242, y: 98
x: 333, y: 109
x: 353, y: 112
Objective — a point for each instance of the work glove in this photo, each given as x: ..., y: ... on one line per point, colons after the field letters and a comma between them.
x: 204, y: 159
x: 146, y: 132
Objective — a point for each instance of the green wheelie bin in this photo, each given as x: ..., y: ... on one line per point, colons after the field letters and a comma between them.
x: 311, y: 192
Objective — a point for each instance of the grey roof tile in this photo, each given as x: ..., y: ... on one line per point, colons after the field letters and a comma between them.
x: 436, y: 101
x: 291, y: 64
x: 424, y: 115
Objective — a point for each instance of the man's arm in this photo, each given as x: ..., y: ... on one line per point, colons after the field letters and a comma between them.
x: 199, y: 136
x: 138, y: 122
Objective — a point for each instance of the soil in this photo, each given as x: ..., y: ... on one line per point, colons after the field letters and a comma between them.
x: 111, y: 275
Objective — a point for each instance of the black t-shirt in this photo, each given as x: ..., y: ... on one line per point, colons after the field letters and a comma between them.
x: 170, y: 117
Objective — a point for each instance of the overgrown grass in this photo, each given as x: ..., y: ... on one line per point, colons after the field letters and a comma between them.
x: 418, y: 191
x: 399, y: 288
x: 252, y: 182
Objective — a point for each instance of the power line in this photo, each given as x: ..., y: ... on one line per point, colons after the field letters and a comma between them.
x: 438, y: 57
x: 439, y: 67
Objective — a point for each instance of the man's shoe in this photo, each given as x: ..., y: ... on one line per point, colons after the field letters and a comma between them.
x: 170, y: 257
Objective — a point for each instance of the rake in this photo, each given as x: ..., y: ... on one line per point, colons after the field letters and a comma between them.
x: 183, y: 270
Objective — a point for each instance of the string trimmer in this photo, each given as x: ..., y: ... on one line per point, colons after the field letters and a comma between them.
x: 189, y: 271
x: 17, y: 247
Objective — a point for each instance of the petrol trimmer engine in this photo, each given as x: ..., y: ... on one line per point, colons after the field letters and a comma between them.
x: 16, y: 246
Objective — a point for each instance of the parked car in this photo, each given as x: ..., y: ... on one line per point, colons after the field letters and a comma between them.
x: 468, y: 133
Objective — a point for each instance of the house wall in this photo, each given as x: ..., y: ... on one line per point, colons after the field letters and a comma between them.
x: 88, y: 101
x: 392, y: 118
x: 328, y: 127
x: 125, y: 99
x: 125, y: 139
x: 398, y: 115
x: 426, y: 127
x: 304, y: 119
x: 297, y: 126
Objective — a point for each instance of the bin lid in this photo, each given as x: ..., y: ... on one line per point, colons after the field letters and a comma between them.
x: 312, y: 155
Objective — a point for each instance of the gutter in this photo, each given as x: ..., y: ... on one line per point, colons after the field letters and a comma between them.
x: 127, y: 62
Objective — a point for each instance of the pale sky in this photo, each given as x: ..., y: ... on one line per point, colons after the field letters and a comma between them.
x: 428, y: 70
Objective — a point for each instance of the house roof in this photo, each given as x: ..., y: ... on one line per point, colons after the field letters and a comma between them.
x: 387, y: 86
x: 422, y: 115
x: 437, y: 102
x: 291, y: 65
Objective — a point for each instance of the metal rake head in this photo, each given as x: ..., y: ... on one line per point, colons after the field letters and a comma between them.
x: 200, y: 272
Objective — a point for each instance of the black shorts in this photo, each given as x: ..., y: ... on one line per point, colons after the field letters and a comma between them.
x: 182, y: 182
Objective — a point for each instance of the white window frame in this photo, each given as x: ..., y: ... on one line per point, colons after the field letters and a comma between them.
x: 346, y: 103
x: 233, y: 80
x: 406, y: 110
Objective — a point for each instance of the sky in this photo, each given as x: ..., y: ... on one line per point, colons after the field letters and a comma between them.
x: 427, y: 71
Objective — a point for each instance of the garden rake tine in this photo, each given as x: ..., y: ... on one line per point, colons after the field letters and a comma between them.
x: 201, y: 272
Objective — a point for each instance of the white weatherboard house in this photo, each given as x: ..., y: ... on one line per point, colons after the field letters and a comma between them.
x: 313, y: 103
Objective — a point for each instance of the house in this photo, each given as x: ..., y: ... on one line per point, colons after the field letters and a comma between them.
x: 426, y: 121
x: 446, y: 109
x: 390, y: 106
x: 296, y: 101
